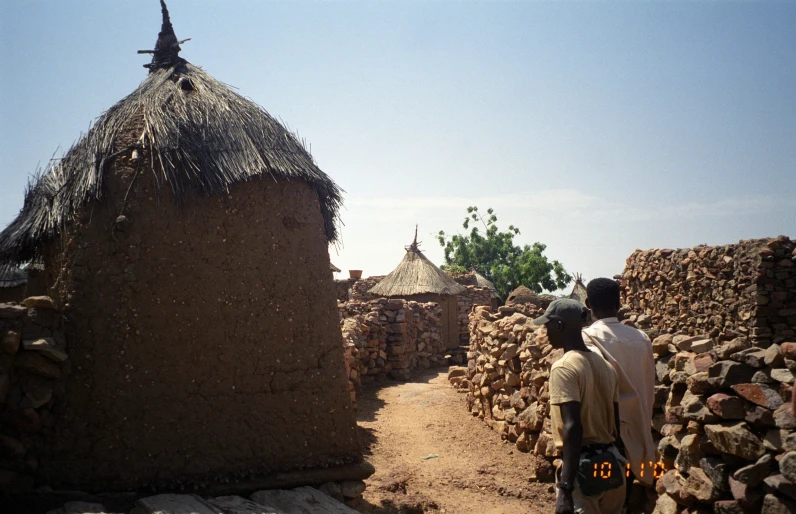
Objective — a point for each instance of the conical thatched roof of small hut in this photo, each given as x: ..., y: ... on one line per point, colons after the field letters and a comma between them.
x: 416, y: 275
x: 197, y: 135
x: 482, y: 281
x: 578, y: 290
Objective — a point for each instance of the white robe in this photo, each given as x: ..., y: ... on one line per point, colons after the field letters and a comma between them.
x: 629, y: 351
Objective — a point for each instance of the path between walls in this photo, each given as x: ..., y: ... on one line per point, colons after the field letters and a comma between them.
x: 475, y: 472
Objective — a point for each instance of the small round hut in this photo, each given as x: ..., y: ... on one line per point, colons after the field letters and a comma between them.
x: 482, y: 281
x: 185, y: 241
x: 417, y: 278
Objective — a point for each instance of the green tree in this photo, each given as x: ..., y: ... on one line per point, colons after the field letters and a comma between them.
x: 494, y: 254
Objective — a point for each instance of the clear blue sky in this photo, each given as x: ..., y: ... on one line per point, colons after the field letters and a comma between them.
x: 596, y: 127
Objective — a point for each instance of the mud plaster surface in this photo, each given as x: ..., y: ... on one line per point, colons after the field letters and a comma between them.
x: 203, y: 339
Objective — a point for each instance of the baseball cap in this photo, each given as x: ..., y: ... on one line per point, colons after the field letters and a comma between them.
x: 563, y: 309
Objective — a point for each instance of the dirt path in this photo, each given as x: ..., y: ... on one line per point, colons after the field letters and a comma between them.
x: 475, y: 472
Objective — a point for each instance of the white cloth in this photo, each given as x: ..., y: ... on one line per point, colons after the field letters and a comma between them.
x: 629, y: 351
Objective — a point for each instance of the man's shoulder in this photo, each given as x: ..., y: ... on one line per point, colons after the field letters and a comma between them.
x: 618, y: 331
x: 570, y: 360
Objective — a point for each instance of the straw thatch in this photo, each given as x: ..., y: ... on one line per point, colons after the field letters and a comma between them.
x: 334, y: 268
x: 482, y: 281
x: 11, y: 276
x: 195, y: 132
x: 416, y: 275
x: 578, y: 290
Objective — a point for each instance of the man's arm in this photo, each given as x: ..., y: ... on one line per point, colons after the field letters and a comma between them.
x: 573, y: 439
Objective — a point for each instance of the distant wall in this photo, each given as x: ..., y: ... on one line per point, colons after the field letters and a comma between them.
x: 748, y: 287
x: 389, y: 338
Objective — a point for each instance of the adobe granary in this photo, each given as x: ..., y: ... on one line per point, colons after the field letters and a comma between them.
x: 417, y: 278
x: 184, y: 240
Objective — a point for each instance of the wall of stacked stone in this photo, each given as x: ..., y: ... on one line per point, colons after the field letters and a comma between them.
x: 506, y: 380
x: 749, y: 287
x: 722, y: 421
x: 342, y: 289
x: 359, y: 289
x: 33, y: 361
x: 474, y: 296
x: 723, y: 424
x: 389, y: 338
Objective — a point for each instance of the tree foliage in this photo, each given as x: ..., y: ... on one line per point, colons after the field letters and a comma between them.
x: 494, y: 254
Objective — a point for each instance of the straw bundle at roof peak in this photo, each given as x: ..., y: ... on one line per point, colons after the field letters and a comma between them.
x: 578, y: 290
x: 195, y: 133
x: 416, y: 275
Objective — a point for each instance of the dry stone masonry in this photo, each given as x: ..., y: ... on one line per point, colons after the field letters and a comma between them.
x: 723, y: 329
x: 33, y: 363
x: 389, y: 338
x: 506, y: 380
x: 749, y: 287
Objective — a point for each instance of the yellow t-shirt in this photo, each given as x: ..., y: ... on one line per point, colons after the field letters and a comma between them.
x: 587, y: 378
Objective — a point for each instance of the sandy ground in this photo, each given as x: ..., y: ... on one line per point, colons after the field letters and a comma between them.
x: 475, y: 472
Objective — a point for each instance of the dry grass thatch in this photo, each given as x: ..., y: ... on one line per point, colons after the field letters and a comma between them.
x: 198, y: 136
x: 482, y: 281
x: 578, y: 290
x: 11, y: 276
x: 416, y: 275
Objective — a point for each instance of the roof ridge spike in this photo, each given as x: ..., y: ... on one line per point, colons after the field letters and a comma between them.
x: 167, y: 47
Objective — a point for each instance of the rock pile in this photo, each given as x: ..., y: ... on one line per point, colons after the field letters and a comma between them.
x: 473, y: 297
x: 389, y: 338
x: 33, y: 359
x: 749, y: 287
x: 723, y: 424
x: 506, y: 380
x: 360, y: 287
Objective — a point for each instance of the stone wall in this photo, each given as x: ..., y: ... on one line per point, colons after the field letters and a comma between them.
x: 723, y: 424
x: 359, y: 289
x: 389, y: 338
x: 343, y: 289
x: 474, y: 296
x: 33, y: 363
x: 506, y: 380
x: 749, y: 287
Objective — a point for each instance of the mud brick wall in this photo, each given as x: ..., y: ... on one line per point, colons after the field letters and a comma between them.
x: 33, y: 365
x: 748, y: 287
x: 506, y: 380
x: 389, y: 338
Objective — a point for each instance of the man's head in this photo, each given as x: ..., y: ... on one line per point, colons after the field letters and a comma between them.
x: 602, y: 297
x: 563, y: 317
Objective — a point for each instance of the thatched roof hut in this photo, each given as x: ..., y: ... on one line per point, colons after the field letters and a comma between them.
x: 185, y: 238
x: 417, y: 278
x: 578, y: 290
x: 199, y: 136
x: 416, y: 275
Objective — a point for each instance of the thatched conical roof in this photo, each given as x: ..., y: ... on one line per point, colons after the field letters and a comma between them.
x: 578, y: 290
x: 416, y: 275
x: 196, y: 134
x: 482, y: 281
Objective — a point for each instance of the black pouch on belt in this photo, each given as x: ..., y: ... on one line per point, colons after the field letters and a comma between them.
x: 599, y: 470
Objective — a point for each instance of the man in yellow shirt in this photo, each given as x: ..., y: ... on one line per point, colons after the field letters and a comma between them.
x: 584, y: 413
x: 629, y: 351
